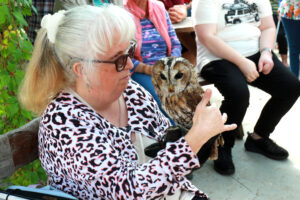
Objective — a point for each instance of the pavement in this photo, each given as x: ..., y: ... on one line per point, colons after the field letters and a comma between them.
x: 257, y: 177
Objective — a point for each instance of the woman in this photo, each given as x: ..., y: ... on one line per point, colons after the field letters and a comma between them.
x: 290, y: 15
x: 79, y: 81
x: 234, y: 42
x: 155, y: 37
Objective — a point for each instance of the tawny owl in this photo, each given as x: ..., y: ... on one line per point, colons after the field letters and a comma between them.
x: 177, y: 84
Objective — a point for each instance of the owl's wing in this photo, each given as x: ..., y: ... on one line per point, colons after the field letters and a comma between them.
x: 193, y: 97
x: 176, y: 107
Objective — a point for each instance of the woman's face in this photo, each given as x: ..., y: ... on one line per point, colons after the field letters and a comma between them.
x: 105, y: 81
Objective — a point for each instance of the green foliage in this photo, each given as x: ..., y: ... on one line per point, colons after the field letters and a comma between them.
x: 30, y: 174
x: 15, y: 51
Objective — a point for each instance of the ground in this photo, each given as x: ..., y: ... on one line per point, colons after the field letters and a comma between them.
x: 257, y: 177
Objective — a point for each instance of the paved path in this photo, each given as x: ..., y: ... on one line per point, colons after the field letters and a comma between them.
x: 257, y: 177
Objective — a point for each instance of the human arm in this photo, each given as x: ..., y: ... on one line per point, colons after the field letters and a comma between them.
x: 267, y: 40
x: 207, y: 122
x: 178, y: 13
x: 206, y: 34
x: 188, y: 4
x: 141, y: 67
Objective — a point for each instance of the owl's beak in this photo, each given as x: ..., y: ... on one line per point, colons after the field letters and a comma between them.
x: 171, y: 88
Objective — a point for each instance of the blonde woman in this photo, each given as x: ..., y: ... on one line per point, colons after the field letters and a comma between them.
x: 78, y: 80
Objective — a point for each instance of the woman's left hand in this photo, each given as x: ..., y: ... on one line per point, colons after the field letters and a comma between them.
x: 265, y: 63
x: 148, y: 69
x: 177, y: 13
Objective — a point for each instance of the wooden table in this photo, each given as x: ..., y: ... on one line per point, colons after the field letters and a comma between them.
x: 186, y: 35
x: 184, y: 26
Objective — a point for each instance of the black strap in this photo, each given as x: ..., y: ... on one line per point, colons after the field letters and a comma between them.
x: 5, y: 192
x: 32, y: 195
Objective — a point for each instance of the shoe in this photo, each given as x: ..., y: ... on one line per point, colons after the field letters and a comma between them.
x: 266, y: 147
x: 224, y: 165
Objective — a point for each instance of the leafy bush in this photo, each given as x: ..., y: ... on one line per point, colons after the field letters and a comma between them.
x: 15, y: 51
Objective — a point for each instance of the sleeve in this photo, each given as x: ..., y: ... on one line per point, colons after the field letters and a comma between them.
x: 155, y: 124
x: 264, y: 8
x: 176, y: 46
x: 204, y: 12
x: 135, y: 64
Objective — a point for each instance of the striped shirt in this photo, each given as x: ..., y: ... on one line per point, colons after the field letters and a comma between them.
x: 34, y: 21
x: 154, y: 46
x: 100, y: 3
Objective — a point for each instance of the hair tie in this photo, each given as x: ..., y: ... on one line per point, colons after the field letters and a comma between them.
x: 51, y: 22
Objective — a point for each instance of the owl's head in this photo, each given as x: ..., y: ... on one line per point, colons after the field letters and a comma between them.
x: 172, y: 75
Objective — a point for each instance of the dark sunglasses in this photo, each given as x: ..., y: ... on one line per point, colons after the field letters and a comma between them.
x: 121, y: 61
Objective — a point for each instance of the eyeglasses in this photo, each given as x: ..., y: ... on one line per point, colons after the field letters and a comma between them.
x: 121, y: 61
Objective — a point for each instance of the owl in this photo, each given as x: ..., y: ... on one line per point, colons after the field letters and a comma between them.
x: 177, y: 84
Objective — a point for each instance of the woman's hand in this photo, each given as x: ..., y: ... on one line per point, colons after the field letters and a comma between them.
x: 267, y: 40
x: 177, y: 13
x: 249, y: 70
x: 148, y: 69
x: 144, y: 69
x: 207, y: 122
x: 265, y: 63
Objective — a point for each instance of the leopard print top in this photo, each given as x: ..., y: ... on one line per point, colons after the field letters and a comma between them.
x: 86, y: 156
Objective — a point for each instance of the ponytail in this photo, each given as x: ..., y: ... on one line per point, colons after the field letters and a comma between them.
x: 67, y: 37
x: 44, y: 76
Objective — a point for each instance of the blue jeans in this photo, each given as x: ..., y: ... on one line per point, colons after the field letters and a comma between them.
x: 146, y: 81
x: 292, y: 30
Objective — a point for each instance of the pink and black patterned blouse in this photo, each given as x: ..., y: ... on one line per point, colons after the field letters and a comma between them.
x: 88, y: 157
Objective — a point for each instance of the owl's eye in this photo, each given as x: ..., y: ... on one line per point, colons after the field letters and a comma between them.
x: 178, y: 75
x: 163, y: 77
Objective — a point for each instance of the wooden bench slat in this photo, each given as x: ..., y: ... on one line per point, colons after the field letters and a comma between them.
x: 6, y: 157
x: 18, y: 147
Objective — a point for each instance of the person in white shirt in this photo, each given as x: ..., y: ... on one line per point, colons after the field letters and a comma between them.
x: 234, y: 48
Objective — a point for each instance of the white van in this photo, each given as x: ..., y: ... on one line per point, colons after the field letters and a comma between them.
x: 241, y: 12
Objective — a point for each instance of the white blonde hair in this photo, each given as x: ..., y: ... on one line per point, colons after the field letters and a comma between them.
x: 87, y: 31
x: 84, y: 32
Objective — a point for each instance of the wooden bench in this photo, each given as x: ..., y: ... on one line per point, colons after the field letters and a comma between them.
x: 18, y: 148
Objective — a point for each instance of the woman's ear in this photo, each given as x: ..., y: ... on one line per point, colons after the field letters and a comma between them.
x: 77, y: 68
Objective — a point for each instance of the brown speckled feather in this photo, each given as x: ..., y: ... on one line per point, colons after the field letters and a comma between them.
x: 176, y: 82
